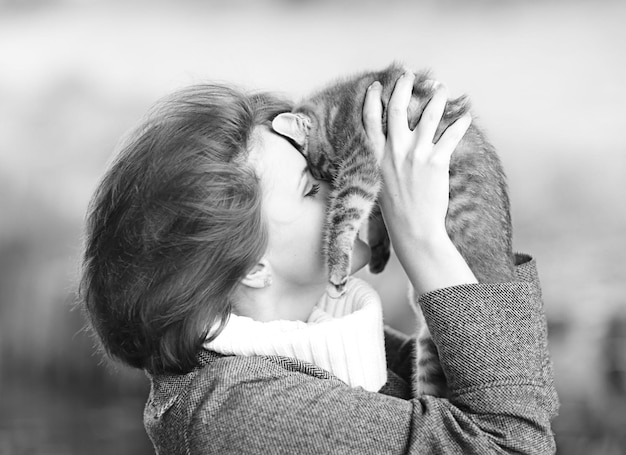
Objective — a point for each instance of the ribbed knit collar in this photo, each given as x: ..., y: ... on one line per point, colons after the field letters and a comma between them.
x: 344, y: 336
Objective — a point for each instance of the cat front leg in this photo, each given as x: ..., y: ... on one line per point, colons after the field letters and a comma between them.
x: 348, y: 209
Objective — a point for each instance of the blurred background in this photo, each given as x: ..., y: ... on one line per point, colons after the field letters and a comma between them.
x: 547, y: 83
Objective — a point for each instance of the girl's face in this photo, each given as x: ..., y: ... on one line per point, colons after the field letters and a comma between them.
x: 294, y: 204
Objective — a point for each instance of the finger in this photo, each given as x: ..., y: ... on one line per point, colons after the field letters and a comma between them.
x: 432, y: 114
x: 372, y: 119
x: 452, y: 136
x: 397, y: 117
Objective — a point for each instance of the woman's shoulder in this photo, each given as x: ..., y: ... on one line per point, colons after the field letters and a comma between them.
x: 231, y: 370
x: 220, y: 387
x: 217, y: 374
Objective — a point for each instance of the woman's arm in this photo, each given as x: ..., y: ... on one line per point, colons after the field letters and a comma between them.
x: 493, y: 349
x: 491, y: 340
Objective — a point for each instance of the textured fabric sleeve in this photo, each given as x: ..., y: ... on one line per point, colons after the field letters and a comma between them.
x: 492, y: 343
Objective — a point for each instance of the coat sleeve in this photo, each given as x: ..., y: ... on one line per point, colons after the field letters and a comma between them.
x: 492, y: 341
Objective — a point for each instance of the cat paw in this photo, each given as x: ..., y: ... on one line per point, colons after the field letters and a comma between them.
x: 380, y: 245
x: 337, y: 286
x: 379, y: 258
x: 335, y: 292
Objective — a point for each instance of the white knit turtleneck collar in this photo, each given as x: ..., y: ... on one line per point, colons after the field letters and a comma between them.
x: 344, y: 336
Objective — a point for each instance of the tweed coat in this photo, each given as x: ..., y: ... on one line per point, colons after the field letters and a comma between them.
x: 492, y: 342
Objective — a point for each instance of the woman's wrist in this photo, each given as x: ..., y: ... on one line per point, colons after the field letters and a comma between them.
x: 432, y: 262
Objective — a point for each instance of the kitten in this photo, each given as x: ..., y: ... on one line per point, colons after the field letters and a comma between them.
x: 328, y: 129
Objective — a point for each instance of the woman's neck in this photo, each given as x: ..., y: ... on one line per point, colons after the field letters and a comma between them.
x: 278, y: 301
x: 343, y: 336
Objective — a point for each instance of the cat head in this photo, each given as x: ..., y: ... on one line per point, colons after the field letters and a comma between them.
x: 302, y: 128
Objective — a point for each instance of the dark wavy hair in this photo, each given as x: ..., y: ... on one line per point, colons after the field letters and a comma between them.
x: 173, y: 226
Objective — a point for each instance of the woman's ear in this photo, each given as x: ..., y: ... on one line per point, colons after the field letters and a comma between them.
x: 293, y: 126
x: 259, y: 277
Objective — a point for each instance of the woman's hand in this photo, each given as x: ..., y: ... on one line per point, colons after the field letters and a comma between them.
x: 415, y: 172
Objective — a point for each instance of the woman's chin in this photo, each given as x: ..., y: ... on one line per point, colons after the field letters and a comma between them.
x: 361, y: 254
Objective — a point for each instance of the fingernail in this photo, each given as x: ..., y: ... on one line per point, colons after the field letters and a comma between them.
x: 374, y: 85
x: 409, y: 74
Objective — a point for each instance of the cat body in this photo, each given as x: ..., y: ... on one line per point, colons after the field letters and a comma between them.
x: 328, y: 129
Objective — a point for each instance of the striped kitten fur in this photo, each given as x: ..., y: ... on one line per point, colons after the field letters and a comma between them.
x: 327, y: 127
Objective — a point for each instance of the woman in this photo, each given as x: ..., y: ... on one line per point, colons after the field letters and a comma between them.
x: 203, y: 266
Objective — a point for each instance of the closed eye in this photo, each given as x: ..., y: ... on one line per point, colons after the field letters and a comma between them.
x: 313, y: 191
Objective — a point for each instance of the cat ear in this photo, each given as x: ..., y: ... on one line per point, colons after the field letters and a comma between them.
x: 293, y: 126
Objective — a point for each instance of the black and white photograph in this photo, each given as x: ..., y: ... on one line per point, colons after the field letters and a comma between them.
x: 312, y: 227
